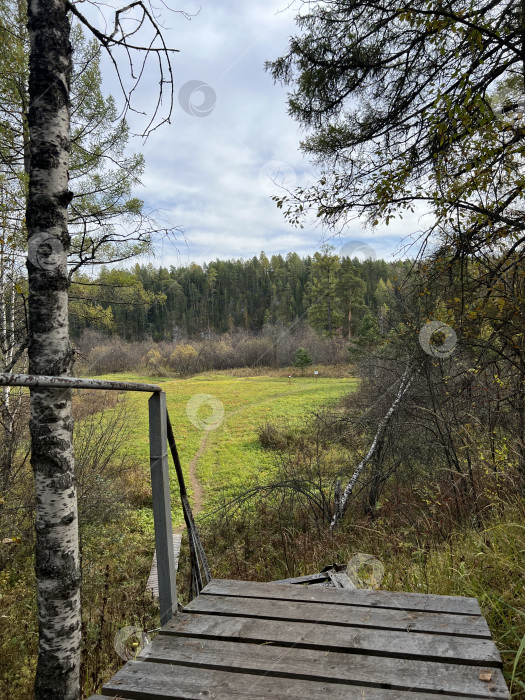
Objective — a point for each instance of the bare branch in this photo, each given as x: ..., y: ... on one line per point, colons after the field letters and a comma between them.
x: 122, y: 37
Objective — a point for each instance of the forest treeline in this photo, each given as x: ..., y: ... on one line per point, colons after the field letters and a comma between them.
x: 332, y: 294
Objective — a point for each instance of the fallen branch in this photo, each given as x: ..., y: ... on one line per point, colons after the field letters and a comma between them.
x: 341, y: 501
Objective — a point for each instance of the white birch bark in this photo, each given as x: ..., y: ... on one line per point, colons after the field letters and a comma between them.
x: 343, y: 500
x: 11, y: 315
x: 6, y: 319
x: 3, y: 301
x: 57, y: 551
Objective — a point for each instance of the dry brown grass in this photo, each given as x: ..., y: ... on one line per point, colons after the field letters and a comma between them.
x: 331, y: 371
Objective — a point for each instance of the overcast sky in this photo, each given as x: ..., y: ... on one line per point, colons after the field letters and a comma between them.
x: 211, y: 172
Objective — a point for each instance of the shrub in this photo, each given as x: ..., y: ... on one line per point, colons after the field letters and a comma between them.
x: 271, y: 437
x: 184, y: 359
x: 302, y: 358
x: 153, y: 359
x: 115, y: 356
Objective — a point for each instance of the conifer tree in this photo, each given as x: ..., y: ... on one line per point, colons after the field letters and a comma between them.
x: 324, y: 311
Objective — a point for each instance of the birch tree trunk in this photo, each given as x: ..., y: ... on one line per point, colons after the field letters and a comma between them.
x: 4, y: 349
x: 7, y: 336
x: 342, y: 500
x: 57, y: 551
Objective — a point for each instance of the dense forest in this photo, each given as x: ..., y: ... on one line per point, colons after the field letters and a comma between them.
x: 334, y: 294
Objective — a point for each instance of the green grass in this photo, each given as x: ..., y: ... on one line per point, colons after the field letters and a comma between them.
x: 485, y: 563
x: 232, y: 454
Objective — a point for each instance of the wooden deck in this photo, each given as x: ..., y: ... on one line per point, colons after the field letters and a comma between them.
x: 265, y: 641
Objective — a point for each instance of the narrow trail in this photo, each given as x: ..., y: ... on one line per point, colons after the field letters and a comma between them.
x: 195, y: 484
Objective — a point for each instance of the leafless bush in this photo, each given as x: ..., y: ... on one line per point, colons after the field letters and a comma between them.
x: 302, y: 486
x: 86, y: 402
x: 219, y: 353
x: 272, y: 437
x: 90, y: 339
x: 254, y: 352
x: 107, y: 479
x: 451, y: 447
x: 100, y: 463
x: 115, y: 355
x: 16, y: 486
x: 275, y: 346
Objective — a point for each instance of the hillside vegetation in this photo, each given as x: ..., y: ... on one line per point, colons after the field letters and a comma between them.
x: 264, y: 451
x: 222, y: 295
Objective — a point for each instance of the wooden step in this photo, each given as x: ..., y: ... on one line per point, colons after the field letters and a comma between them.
x: 366, y: 598
x: 355, y: 616
x: 153, y: 581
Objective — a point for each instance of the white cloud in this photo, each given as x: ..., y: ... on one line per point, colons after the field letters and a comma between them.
x: 205, y: 172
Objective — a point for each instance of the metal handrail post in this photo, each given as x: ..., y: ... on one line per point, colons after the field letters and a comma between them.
x: 160, y: 489
x: 160, y: 482
x: 196, y: 549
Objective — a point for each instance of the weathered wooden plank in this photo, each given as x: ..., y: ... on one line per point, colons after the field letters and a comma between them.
x: 401, y: 645
x: 341, y: 580
x: 146, y: 681
x: 367, y: 598
x: 311, y: 578
x: 379, y: 618
x: 153, y: 579
x: 305, y: 664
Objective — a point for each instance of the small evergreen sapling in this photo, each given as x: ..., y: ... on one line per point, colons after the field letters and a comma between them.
x: 302, y: 358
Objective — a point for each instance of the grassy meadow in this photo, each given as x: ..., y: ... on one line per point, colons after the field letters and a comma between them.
x: 486, y: 563
x: 232, y: 453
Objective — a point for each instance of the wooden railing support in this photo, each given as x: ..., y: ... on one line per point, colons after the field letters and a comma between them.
x: 160, y: 488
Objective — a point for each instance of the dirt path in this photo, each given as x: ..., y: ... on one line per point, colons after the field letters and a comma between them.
x: 195, y: 485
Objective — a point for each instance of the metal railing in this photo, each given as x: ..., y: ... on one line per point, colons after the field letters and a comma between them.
x: 200, y: 570
x: 160, y: 484
x: 34, y: 381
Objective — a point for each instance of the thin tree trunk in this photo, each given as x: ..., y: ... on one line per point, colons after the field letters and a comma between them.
x: 11, y: 315
x: 3, y: 302
x: 343, y: 501
x: 57, y: 552
x: 5, y: 335
x: 329, y: 306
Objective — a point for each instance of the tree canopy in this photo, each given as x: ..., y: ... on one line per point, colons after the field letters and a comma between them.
x: 412, y: 103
